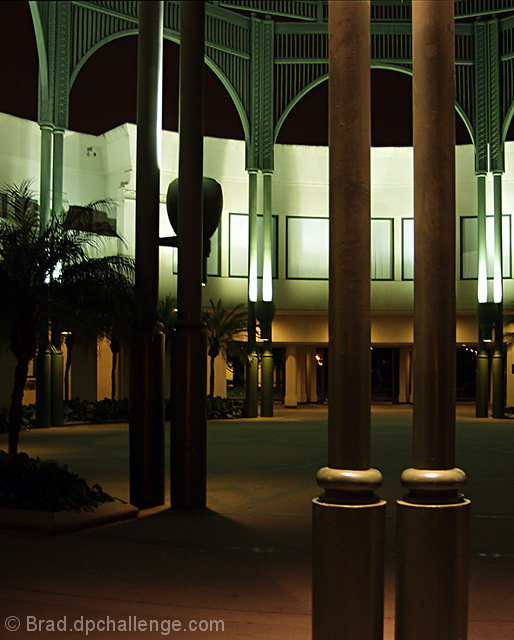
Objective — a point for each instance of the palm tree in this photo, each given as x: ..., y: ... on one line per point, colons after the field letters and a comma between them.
x: 43, y: 275
x: 167, y: 314
x: 222, y: 325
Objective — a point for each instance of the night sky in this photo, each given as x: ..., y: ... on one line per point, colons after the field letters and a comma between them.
x: 104, y: 93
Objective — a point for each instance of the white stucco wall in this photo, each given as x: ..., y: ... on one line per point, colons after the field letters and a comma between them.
x: 105, y: 167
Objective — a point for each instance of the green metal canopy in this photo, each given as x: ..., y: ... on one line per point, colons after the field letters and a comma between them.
x: 270, y: 53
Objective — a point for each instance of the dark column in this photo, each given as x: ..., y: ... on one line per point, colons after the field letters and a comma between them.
x: 147, y: 369
x: 188, y: 418
x: 348, y: 518
x: 433, y: 518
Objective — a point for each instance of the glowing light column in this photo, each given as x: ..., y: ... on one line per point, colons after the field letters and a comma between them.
x: 498, y: 372
x: 252, y: 365
x: 43, y: 359
x: 433, y: 518
x: 267, y: 297
x: 482, y: 360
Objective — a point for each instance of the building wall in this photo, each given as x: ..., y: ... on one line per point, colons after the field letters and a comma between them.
x: 98, y: 167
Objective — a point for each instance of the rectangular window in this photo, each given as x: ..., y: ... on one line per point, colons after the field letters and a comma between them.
x: 382, y: 249
x: 307, y: 248
x: 238, y: 244
x: 469, y: 246
x: 407, y: 248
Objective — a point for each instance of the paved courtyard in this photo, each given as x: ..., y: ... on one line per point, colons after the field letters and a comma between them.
x: 246, y: 561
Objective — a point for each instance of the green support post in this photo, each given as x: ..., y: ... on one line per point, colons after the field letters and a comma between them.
x: 252, y: 365
x: 482, y: 379
x: 146, y: 428
x: 43, y: 358
x: 498, y: 365
x: 482, y: 362
x: 267, y: 296
x: 56, y: 348
x: 267, y: 381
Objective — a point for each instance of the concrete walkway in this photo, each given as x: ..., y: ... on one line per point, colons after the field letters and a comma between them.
x: 246, y: 562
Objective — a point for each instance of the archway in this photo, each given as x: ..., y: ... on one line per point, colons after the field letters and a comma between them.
x: 391, y: 113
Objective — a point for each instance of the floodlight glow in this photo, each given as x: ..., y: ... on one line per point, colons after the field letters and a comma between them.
x: 482, y: 280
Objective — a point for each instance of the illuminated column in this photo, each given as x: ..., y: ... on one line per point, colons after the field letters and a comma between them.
x: 290, y: 398
x: 482, y: 360
x: 56, y: 355
x: 267, y: 296
x: 433, y: 519
x: 43, y: 359
x: 188, y: 417
x: 146, y: 427
x: 498, y: 365
x: 252, y: 364
x: 348, y: 518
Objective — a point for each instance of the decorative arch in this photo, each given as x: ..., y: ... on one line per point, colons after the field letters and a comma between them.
x: 506, y: 123
x: 388, y: 67
x: 41, y: 52
x: 241, y: 111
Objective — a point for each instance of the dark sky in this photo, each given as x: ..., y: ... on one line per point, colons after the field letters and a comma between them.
x: 104, y: 93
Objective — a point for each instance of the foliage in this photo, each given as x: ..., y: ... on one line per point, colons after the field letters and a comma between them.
x: 219, y: 408
x: 43, y: 274
x: 222, y: 325
x: 31, y: 483
x: 167, y: 314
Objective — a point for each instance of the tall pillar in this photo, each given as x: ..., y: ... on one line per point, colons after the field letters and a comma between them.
x: 290, y: 398
x: 267, y: 296
x: 43, y: 358
x: 252, y: 364
x: 482, y: 361
x: 348, y: 518
x: 433, y: 519
x: 189, y: 391
x: 301, y: 375
x: 404, y: 392
x: 498, y: 368
x: 311, y: 375
x: 147, y: 357
x: 56, y: 350
x: 267, y: 388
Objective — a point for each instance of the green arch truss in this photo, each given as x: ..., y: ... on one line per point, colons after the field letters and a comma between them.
x: 267, y: 65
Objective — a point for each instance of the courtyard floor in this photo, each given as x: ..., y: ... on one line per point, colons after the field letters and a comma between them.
x: 247, y: 560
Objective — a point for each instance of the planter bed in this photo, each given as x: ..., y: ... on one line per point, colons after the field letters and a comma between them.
x: 66, y: 520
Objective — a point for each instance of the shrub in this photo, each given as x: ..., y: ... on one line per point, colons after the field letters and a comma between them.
x: 32, y: 483
x: 221, y: 408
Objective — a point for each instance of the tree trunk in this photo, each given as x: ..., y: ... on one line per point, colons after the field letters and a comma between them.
x: 211, y: 377
x: 113, y: 374
x: 16, y: 408
x: 115, y: 346
x: 69, y: 341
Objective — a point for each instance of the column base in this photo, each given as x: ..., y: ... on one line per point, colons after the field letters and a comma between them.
x: 348, y: 570
x: 432, y: 575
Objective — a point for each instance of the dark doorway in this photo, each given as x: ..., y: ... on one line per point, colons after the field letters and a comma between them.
x: 466, y: 367
x: 384, y: 374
